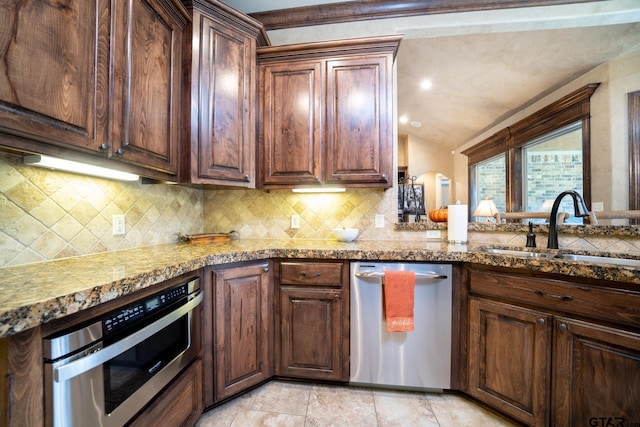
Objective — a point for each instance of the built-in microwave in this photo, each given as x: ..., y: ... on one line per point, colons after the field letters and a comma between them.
x: 103, y: 373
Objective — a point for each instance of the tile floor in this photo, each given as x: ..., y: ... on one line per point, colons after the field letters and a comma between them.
x: 281, y: 403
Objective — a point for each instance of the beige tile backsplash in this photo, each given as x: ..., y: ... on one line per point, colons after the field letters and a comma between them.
x: 46, y: 215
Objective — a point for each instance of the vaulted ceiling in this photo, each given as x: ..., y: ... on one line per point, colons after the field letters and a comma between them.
x: 483, y: 65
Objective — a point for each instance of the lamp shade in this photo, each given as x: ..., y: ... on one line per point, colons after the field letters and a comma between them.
x: 486, y: 208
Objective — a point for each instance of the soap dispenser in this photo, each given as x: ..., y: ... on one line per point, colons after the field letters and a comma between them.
x: 531, y: 237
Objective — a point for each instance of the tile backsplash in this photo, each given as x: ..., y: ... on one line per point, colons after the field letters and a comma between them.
x: 267, y: 215
x: 46, y: 215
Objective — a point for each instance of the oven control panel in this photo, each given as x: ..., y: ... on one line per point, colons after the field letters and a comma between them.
x: 132, y: 313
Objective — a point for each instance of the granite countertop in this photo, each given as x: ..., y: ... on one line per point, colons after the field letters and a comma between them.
x: 34, y: 294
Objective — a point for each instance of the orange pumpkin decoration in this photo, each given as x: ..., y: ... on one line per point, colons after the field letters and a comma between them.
x: 439, y: 215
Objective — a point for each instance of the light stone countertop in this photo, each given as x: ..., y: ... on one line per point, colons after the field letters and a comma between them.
x: 34, y: 294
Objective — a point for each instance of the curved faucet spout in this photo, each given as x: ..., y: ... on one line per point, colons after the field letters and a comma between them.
x: 580, y: 211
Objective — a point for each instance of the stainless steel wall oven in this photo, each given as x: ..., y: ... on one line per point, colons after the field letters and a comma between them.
x: 104, y: 372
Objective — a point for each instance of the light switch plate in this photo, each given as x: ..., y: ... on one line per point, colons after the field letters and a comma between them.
x: 379, y: 220
x: 295, y: 222
x: 119, y: 226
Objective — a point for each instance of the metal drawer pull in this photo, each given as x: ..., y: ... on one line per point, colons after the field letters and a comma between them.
x: 310, y: 274
x: 560, y: 297
x: 428, y: 275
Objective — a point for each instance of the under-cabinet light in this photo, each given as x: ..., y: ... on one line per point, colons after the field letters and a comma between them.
x: 76, y: 167
x: 319, y: 190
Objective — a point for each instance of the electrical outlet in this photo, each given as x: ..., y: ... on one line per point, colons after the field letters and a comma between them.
x: 597, y: 206
x: 434, y: 234
x: 379, y: 220
x: 295, y: 222
x: 118, y: 224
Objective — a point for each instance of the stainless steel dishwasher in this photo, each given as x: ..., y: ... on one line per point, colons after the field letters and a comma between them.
x: 420, y: 359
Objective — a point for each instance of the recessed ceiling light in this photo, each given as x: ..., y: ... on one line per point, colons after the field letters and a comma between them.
x: 426, y: 84
x: 416, y: 124
x: 403, y: 119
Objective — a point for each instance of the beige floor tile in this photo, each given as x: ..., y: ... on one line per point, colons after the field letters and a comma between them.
x: 454, y: 410
x: 403, y: 409
x: 283, y: 403
x: 246, y: 418
x: 341, y: 406
x: 222, y: 416
x: 283, y: 397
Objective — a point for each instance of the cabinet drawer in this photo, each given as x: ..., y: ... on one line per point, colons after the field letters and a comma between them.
x: 311, y: 273
x: 615, y: 305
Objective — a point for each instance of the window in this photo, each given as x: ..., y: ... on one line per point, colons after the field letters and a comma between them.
x: 538, y: 157
x: 551, y: 165
x: 491, y: 181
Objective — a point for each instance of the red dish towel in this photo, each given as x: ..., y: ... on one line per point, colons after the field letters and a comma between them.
x: 399, y: 289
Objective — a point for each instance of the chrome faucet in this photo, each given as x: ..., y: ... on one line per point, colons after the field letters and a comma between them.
x: 580, y: 210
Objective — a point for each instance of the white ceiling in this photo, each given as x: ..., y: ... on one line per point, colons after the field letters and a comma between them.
x: 484, y: 66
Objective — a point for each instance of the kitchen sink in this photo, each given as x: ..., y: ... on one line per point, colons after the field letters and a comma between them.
x: 599, y: 259
x: 515, y: 252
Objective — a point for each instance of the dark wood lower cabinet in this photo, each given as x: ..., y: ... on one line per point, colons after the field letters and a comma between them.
x: 313, y: 336
x: 241, y: 344
x: 510, y: 359
x: 310, y: 319
x: 596, y: 375
x: 180, y: 405
x: 554, y: 352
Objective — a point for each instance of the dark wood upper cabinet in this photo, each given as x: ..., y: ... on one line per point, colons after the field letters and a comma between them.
x: 291, y: 123
x: 94, y: 79
x: 147, y: 55
x: 219, y: 99
x: 326, y: 113
x: 54, y: 74
x: 359, y: 130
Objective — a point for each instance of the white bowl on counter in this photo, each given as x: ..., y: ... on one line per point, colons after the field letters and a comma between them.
x: 345, y: 234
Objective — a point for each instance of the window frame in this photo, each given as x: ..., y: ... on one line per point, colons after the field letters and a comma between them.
x: 511, y: 140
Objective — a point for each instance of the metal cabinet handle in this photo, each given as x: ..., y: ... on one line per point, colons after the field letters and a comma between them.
x: 266, y: 269
x: 84, y: 364
x: 336, y: 296
x: 310, y: 274
x: 560, y: 297
x: 103, y: 147
x: 428, y: 275
x: 563, y: 327
x: 541, y: 321
x: 119, y: 151
x: 247, y: 178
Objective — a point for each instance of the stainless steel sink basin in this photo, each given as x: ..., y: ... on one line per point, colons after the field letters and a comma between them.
x: 599, y: 259
x: 514, y: 252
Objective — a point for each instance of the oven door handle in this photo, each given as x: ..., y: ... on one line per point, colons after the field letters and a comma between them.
x: 376, y: 274
x: 84, y: 364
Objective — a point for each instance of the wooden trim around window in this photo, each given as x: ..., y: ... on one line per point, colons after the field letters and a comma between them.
x: 634, y: 152
x: 510, y: 140
x: 351, y: 11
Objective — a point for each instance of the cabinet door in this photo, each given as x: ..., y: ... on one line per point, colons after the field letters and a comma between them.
x: 222, y: 149
x: 311, y: 335
x: 359, y: 120
x: 54, y: 73
x: 147, y: 69
x: 290, y: 123
x: 510, y: 359
x: 242, y: 313
x: 596, y: 375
